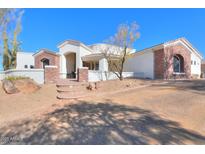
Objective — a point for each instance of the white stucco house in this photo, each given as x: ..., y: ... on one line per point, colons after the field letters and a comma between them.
x: 173, y: 59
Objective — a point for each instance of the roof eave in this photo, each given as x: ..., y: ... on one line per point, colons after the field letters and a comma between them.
x: 45, y: 50
x: 75, y: 43
x: 192, y: 47
x: 153, y: 48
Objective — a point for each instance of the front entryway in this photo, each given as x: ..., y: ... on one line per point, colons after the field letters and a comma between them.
x: 71, y: 65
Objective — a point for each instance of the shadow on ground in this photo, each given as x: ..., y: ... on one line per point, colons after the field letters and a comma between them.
x: 102, y: 123
x: 198, y: 86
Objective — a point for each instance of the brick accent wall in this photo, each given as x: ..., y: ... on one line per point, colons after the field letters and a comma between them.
x: 52, y: 71
x: 179, y: 49
x: 82, y: 74
x: 163, y: 62
x: 53, y: 59
x: 51, y: 74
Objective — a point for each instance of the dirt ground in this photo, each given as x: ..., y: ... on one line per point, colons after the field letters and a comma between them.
x: 169, y: 113
x: 22, y: 105
x: 175, y: 102
x: 26, y: 104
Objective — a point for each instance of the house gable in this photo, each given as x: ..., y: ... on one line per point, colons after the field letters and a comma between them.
x: 44, y: 54
x: 74, y: 43
x: 186, y: 44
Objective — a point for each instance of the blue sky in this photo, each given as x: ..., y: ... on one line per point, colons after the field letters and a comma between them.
x: 46, y: 28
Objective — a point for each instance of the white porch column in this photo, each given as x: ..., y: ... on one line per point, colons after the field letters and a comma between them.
x: 63, y: 70
x: 103, y: 65
x: 103, y: 69
x: 79, y: 63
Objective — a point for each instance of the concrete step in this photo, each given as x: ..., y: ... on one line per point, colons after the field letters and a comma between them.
x: 71, y: 96
x: 71, y: 89
x: 65, y: 81
x: 67, y: 89
x: 71, y: 84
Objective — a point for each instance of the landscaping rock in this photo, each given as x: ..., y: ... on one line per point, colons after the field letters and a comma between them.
x: 93, y: 86
x: 9, y: 87
x: 19, y: 85
x: 26, y: 85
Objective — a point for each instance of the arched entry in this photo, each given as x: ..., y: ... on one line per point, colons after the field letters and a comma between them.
x: 45, y: 62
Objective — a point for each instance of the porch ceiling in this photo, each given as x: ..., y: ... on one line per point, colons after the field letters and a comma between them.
x: 97, y: 56
x: 92, y: 57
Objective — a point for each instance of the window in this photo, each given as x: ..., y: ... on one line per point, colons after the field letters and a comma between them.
x: 194, y: 62
x: 25, y: 66
x: 92, y: 65
x: 31, y: 66
x: 86, y: 64
x: 178, y: 64
x: 97, y: 66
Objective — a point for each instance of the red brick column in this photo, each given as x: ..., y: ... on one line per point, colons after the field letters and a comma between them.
x: 82, y: 74
x: 51, y: 74
x: 203, y: 67
x: 159, y: 64
x: 203, y: 70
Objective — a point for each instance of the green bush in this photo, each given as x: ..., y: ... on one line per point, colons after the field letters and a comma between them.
x: 13, y: 78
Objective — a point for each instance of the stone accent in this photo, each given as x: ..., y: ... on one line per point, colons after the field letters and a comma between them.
x: 163, y: 62
x: 82, y: 74
x: 51, y: 74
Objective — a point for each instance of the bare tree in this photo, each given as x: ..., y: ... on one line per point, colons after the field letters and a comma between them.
x: 10, y: 27
x: 119, y: 47
x: 7, y: 18
x: 4, y: 19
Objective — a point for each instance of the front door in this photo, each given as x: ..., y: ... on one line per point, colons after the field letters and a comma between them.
x: 71, y: 65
